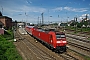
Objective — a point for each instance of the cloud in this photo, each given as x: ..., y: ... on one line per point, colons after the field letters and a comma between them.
x: 14, y: 12
x: 29, y: 2
x: 33, y: 9
x: 84, y: 16
x: 57, y: 9
x: 76, y: 9
x: 89, y: 4
x: 24, y: 9
x: 71, y: 9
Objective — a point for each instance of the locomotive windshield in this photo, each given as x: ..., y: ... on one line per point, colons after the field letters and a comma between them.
x: 58, y: 36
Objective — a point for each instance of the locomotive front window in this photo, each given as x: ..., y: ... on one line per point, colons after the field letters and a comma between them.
x: 60, y: 36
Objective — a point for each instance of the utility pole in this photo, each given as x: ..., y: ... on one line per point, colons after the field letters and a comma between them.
x: 38, y: 21
x: 42, y: 19
x: 86, y: 16
x: 75, y: 24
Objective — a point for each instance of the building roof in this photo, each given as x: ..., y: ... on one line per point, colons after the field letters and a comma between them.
x: 4, y: 17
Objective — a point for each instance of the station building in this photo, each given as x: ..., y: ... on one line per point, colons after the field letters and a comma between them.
x: 6, y: 21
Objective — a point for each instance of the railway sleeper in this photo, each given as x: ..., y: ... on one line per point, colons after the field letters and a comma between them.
x: 80, y: 47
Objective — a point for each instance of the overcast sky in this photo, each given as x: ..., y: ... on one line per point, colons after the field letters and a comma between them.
x: 54, y: 10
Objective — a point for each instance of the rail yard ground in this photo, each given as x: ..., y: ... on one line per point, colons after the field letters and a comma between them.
x: 31, y: 49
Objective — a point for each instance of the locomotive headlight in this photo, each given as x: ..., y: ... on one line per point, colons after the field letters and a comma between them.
x: 64, y: 41
x: 61, y: 41
x: 58, y: 41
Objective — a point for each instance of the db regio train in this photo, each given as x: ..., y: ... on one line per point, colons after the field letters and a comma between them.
x: 54, y: 39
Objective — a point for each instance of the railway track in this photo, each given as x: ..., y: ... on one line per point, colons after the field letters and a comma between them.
x: 36, y: 50
x: 78, y: 38
x: 22, y: 48
x: 42, y: 54
x: 85, y: 51
x: 79, y: 46
x: 67, y: 56
x: 39, y: 52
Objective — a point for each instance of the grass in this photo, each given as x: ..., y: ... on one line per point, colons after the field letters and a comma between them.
x: 7, y: 48
x: 85, y: 57
x: 88, y: 38
x: 78, y: 30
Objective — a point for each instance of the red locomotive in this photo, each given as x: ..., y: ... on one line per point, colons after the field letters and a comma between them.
x: 54, y: 39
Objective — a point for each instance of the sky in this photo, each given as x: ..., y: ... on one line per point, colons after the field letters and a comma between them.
x: 53, y: 10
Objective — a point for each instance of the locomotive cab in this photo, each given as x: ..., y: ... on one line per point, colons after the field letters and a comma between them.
x: 61, y: 39
x: 58, y: 41
x: 61, y: 42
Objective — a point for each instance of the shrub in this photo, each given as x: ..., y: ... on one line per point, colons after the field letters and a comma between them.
x: 7, y: 48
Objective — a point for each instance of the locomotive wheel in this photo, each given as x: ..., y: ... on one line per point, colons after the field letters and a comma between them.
x: 60, y: 49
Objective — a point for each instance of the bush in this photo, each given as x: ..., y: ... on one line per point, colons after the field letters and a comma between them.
x: 7, y: 48
x: 12, y: 54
